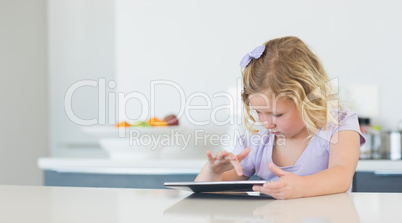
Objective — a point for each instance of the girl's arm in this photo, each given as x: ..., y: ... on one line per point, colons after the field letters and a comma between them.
x: 343, y: 158
x: 224, y: 166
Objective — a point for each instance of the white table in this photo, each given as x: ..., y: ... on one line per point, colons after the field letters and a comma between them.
x: 65, y: 204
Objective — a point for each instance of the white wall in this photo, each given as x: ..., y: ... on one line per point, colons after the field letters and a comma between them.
x: 198, y: 44
x: 81, y: 47
x: 23, y: 86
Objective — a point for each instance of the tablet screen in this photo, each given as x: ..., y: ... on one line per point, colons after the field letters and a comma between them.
x: 215, y: 186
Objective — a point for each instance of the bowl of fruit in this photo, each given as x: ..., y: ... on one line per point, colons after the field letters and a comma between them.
x: 148, y: 139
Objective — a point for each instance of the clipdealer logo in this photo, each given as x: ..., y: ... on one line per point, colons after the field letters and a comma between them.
x: 109, y: 100
x: 118, y: 101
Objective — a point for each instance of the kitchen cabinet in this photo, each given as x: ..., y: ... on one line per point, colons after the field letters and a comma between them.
x: 371, y: 175
x: 117, y: 173
x: 378, y: 181
x: 378, y: 176
x: 151, y: 181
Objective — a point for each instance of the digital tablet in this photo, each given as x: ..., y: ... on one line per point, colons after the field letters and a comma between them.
x: 215, y: 186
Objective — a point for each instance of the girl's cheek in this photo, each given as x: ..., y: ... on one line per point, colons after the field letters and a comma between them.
x: 260, y: 118
x: 263, y: 120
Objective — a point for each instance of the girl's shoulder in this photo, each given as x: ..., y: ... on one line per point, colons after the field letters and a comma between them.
x: 346, y: 120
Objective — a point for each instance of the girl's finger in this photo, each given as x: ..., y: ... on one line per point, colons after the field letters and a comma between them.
x: 235, y: 163
x: 278, y: 194
x: 209, y: 155
x: 266, y: 190
x: 275, y: 185
x: 221, y: 155
x: 237, y: 167
x: 243, y: 154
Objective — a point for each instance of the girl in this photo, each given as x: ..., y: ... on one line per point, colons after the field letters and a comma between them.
x: 308, y: 145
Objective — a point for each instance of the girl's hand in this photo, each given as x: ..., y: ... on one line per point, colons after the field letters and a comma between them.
x: 225, y: 161
x: 287, y: 186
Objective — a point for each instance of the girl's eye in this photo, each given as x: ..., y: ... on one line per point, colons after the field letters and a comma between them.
x: 278, y: 115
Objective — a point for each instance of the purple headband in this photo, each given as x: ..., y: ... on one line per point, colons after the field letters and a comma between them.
x: 256, y: 53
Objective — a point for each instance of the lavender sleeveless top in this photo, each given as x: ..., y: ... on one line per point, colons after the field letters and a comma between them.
x: 314, y: 158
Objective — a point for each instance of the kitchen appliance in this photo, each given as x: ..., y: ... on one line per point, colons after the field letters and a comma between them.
x: 367, y: 131
x: 391, y: 144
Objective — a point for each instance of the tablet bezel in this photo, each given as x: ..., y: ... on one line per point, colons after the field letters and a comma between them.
x: 215, y: 186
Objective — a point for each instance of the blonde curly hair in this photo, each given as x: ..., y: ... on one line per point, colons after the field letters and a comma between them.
x: 288, y: 68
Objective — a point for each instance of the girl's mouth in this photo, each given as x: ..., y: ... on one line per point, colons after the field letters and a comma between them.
x: 274, y: 132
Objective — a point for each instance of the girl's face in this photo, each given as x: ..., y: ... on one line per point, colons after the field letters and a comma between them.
x: 278, y: 115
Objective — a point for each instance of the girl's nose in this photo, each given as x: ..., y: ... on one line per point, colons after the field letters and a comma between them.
x: 269, y: 123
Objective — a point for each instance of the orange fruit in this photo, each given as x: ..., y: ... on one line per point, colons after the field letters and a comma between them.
x: 122, y: 124
x: 157, y: 122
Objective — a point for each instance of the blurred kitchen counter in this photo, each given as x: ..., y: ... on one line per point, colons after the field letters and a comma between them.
x: 379, y: 165
x: 106, y: 172
x: 371, y: 175
x: 167, y: 166
x: 110, y: 166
